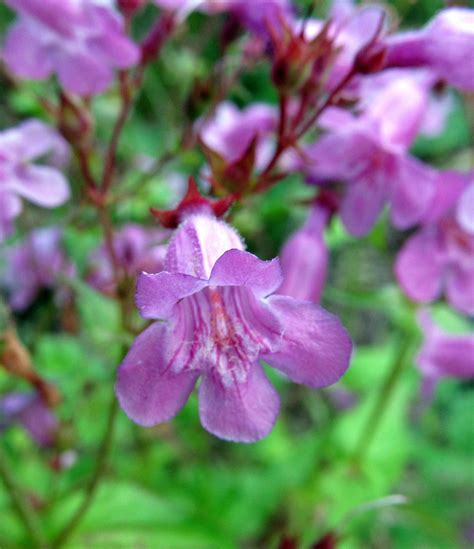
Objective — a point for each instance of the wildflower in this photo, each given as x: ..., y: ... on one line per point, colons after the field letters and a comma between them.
x: 369, y: 153
x: 136, y: 249
x: 234, y: 142
x: 304, y: 259
x: 82, y: 41
x: 28, y: 410
x: 44, y: 185
x: 444, y: 354
x: 217, y: 319
x: 41, y: 260
x: 440, y: 256
x: 445, y: 45
x: 230, y: 132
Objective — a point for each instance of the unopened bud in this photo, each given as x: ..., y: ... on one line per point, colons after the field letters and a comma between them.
x: 371, y: 58
x: 158, y: 35
x: 129, y: 7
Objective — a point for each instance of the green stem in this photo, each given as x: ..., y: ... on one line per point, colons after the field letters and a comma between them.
x: 23, y: 508
x: 384, y: 397
x: 91, y: 488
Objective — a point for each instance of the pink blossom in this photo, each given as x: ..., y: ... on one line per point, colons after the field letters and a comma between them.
x: 444, y: 354
x: 137, y: 249
x: 33, y: 265
x: 230, y: 131
x: 368, y: 152
x: 217, y: 318
x: 82, y: 41
x: 439, y: 258
x: 445, y: 45
x: 43, y: 185
x: 28, y: 410
x: 304, y: 259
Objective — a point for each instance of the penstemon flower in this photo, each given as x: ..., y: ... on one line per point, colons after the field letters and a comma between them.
x: 369, y: 153
x: 216, y: 319
x: 304, y: 258
x: 440, y: 256
x: 28, y: 410
x: 137, y: 249
x: 43, y: 185
x: 42, y: 261
x: 445, y: 45
x: 82, y: 41
x: 444, y: 354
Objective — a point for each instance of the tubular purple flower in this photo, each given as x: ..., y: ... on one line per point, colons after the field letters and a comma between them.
x: 42, y: 184
x: 369, y: 153
x: 82, y: 41
x: 304, y: 259
x: 41, y: 260
x: 137, y: 249
x: 231, y: 131
x: 444, y: 354
x: 28, y: 410
x: 445, y: 45
x: 440, y: 256
x: 217, y: 319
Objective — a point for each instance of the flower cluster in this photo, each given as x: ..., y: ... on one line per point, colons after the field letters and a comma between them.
x: 353, y: 98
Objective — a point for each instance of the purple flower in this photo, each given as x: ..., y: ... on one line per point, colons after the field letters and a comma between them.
x: 39, y: 260
x: 444, y: 354
x: 29, y: 410
x: 230, y: 131
x: 217, y: 319
x: 82, y: 41
x: 440, y: 256
x: 136, y: 248
x: 369, y: 153
x: 304, y: 259
x: 465, y: 209
x: 445, y: 45
x: 43, y: 185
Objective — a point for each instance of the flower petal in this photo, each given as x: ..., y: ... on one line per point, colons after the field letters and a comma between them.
x: 419, y: 267
x: 460, y: 289
x: 412, y: 191
x: 148, y: 392
x: 363, y: 202
x: 41, y: 185
x: 444, y: 354
x: 315, y: 349
x: 241, y: 412
x: 239, y: 268
x: 157, y: 294
x: 83, y: 74
x: 24, y: 52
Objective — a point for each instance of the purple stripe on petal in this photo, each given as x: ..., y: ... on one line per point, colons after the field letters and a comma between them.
x: 239, y: 268
x: 315, y: 348
x: 148, y: 392
x: 240, y: 412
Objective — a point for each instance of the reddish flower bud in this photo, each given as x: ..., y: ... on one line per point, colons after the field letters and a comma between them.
x: 371, y: 58
x: 193, y: 201
x: 157, y: 36
x: 129, y: 7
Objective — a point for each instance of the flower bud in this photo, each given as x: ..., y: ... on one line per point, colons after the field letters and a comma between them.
x: 371, y: 58
x: 129, y: 7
